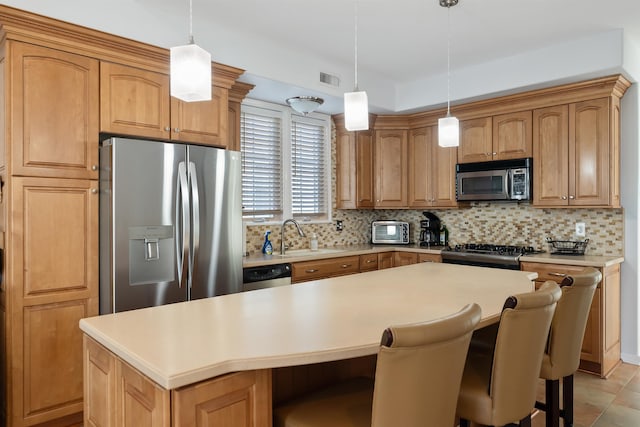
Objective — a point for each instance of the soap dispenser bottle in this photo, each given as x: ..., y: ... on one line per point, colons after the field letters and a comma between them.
x: 267, y: 247
x: 313, y: 243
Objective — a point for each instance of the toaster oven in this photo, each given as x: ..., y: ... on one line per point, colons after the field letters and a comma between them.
x: 390, y: 232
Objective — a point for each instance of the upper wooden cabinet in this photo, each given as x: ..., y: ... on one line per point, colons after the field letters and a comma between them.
x: 354, y: 168
x: 476, y: 143
x: 501, y: 137
x: 576, y: 161
x: 136, y: 102
x: 512, y: 135
x: 391, y: 168
x: 432, y: 170
x: 54, y: 112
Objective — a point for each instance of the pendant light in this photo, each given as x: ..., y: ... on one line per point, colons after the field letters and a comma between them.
x: 190, y: 69
x: 448, y: 127
x: 356, y: 103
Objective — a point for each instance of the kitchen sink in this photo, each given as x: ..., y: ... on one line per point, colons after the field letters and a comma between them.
x: 309, y: 252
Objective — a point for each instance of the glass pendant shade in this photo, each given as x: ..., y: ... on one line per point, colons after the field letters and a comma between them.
x: 448, y: 132
x: 190, y: 73
x: 356, y: 111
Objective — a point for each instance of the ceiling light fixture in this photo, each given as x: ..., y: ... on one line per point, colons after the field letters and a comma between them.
x: 305, y: 104
x: 356, y: 103
x: 190, y: 69
x: 448, y: 127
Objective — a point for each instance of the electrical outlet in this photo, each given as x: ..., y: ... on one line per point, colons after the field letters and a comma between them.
x: 339, y: 225
x: 580, y: 229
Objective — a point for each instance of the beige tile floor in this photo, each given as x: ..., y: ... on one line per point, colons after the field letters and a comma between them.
x: 603, y: 403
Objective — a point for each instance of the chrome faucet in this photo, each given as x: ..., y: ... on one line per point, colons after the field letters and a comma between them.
x: 283, y: 247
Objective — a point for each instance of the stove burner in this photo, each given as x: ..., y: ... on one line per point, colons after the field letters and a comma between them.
x: 486, y: 248
x: 487, y: 255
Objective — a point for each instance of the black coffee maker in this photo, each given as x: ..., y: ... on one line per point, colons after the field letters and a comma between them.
x: 430, y: 230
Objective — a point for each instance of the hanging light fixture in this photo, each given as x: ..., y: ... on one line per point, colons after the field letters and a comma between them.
x: 356, y: 103
x: 448, y: 127
x: 190, y: 69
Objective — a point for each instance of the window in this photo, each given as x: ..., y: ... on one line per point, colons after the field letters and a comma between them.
x: 285, y: 164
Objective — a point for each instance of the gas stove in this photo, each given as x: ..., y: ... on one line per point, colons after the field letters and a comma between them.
x: 488, y: 255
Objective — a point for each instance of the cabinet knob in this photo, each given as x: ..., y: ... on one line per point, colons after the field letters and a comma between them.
x: 494, y: 153
x: 94, y: 191
x: 311, y: 270
x: 572, y: 197
x: 345, y: 265
x: 564, y: 197
x: 176, y: 130
x: 94, y: 167
x: 167, y: 128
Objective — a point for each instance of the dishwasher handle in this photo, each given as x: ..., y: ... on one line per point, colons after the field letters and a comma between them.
x: 266, y: 272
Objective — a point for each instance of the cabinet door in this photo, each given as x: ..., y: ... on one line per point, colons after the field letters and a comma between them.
x: 204, y: 122
x: 391, y: 168
x: 404, y: 258
x: 429, y: 257
x: 368, y: 262
x: 419, y: 167
x: 323, y: 268
x: 54, y: 113
x: 241, y: 399
x: 443, y: 174
x: 140, y: 402
x: 99, y: 386
x: 512, y: 135
x: 345, y: 170
x: 134, y: 101
x: 364, y: 170
x: 385, y: 260
x: 476, y: 143
x: 551, y: 156
x: 591, y: 345
x: 54, y: 273
x: 589, y: 153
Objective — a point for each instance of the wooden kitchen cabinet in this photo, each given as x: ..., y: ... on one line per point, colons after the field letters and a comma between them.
x: 57, y: 138
x: 391, y: 168
x: 322, y: 268
x: 476, y: 140
x: 576, y: 154
x: 501, y: 137
x: 368, y: 262
x: 137, y: 102
x: 385, y: 260
x: 354, y: 167
x: 432, y: 170
x: 404, y: 258
x: 53, y: 272
x: 513, y: 135
x: 422, y: 257
x: 601, y: 343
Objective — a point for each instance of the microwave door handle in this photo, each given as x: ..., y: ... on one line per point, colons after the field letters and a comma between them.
x: 507, y: 188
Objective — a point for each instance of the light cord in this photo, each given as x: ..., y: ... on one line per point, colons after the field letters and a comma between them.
x: 448, y: 61
x: 191, y: 41
x: 355, y: 19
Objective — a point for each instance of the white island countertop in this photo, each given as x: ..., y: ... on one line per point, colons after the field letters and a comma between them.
x: 325, y: 320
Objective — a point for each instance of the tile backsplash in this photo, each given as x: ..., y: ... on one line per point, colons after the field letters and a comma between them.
x: 513, y: 223
x: 500, y: 223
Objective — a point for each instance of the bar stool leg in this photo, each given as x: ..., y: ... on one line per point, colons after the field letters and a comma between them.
x: 567, y: 400
x: 552, y: 403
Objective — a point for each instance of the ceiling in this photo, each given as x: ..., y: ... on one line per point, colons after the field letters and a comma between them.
x: 283, y: 44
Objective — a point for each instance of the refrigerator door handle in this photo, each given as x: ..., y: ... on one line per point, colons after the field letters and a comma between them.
x: 195, y: 212
x: 182, y: 218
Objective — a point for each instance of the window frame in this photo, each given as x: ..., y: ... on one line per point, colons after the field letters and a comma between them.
x: 287, y: 115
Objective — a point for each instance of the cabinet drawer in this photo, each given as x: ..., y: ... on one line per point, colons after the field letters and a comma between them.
x: 429, y: 258
x: 555, y: 272
x: 368, y: 262
x: 320, y: 269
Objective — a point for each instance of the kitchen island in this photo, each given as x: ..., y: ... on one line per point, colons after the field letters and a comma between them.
x: 213, y: 359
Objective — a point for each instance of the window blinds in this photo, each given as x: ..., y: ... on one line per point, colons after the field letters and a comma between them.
x: 307, y: 168
x: 260, y: 135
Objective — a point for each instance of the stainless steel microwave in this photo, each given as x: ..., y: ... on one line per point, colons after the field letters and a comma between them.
x: 497, y: 180
x: 390, y: 232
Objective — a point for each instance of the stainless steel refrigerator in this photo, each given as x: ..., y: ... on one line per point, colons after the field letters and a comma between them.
x: 170, y: 223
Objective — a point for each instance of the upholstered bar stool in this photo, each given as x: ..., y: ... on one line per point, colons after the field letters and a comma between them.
x: 416, y: 384
x: 499, y: 387
x: 562, y: 355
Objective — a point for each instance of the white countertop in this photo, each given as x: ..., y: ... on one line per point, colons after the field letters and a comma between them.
x: 331, y: 319
x: 581, y: 260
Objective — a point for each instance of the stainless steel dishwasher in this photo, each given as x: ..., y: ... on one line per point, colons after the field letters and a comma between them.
x: 266, y: 276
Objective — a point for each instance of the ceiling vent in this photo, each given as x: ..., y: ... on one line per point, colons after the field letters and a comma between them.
x: 329, y: 79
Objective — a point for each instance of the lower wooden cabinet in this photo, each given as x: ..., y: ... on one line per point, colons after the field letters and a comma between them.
x: 404, y: 258
x: 422, y: 257
x: 368, y: 262
x: 323, y: 268
x: 117, y: 395
x: 601, y: 343
x: 385, y: 260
